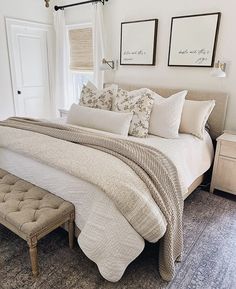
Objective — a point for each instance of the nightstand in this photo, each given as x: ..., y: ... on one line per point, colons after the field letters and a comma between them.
x: 224, y: 171
x: 63, y: 112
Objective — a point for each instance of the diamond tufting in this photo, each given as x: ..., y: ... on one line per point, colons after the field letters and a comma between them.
x: 27, y: 207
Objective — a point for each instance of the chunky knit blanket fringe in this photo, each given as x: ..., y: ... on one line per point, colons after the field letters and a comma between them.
x: 153, y: 167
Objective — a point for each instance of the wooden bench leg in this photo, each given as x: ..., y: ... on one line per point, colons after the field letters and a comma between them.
x: 71, y: 231
x: 33, y: 255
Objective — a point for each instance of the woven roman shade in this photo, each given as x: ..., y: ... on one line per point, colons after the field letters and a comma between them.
x: 81, y: 49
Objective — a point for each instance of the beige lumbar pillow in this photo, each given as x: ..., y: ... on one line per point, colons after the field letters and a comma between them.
x: 94, y: 98
x: 194, y: 117
x: 109, y: 121
x: 140, y: 103
x: 166, y: 115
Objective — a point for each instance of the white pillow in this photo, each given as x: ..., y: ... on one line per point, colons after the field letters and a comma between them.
x: 109, y: 121
x: 92, y: 97
x: 195, y: 115
x: 166, y: 115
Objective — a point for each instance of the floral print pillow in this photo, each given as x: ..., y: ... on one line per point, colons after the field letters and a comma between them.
x: 94, y: 98
x: 140, y: 102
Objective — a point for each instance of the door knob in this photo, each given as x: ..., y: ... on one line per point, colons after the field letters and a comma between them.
x: 18, y: 92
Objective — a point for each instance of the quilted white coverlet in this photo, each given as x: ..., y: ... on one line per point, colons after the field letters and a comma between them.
x: 129, y: 244
x: 110, y: 174
x: 122, y: 243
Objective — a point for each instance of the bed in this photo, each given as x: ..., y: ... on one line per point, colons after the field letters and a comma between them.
x: 216, y: 121
x: 194, y: 158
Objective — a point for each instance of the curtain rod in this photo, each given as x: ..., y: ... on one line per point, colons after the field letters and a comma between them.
x: 80, y: 3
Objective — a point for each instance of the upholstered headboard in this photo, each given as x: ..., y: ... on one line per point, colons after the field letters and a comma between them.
x: 217, y: 118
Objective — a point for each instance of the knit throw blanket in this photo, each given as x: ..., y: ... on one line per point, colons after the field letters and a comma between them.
x: 153, y: 168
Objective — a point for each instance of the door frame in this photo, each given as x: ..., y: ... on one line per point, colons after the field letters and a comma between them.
x: 48, y: 28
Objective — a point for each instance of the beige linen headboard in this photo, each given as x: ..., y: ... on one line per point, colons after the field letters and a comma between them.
x: 217, y: 118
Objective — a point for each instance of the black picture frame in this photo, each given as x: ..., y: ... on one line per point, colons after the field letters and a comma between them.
x: 154, y: 43
x: 214, y: 47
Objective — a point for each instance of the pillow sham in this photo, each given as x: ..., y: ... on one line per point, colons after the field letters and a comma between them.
x: 109, y: 121
x: 140, y: 103
x: 166, y: 115
x: 194, y: 117
x: 94, y: 98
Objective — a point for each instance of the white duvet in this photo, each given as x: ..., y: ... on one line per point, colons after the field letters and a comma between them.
x: 191, y: 156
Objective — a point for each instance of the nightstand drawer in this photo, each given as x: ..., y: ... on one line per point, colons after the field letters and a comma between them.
x: 226, y: 175
x: 228, y: 150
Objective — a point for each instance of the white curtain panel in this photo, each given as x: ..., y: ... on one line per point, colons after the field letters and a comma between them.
x: 62, y: 95
x: 99, y: 43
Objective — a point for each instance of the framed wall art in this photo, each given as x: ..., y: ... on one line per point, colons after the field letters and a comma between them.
x: 193, y: 40
x: 138, y: 42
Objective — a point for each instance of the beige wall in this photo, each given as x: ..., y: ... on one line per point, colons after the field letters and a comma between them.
x: 117, y: 11
x: 32, y: 10
x: 76, y: 14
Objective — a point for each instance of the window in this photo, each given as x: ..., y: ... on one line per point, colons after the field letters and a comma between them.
x: 81, y: 57
x: 80, y: 78
x: 81, y: 49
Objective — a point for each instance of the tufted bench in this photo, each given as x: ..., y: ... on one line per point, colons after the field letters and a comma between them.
x: 32, y: 213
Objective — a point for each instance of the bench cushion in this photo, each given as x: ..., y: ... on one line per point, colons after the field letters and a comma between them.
x: 28, y: 208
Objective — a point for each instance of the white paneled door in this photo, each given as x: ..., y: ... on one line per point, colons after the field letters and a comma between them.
x: 29, y: 51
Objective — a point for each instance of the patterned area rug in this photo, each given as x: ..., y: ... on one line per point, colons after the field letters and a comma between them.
x: 209, y: 256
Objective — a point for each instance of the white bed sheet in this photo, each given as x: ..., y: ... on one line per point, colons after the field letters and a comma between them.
x: 191, y: 156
